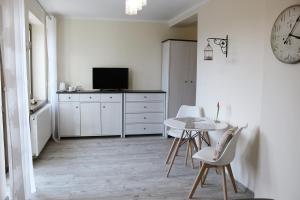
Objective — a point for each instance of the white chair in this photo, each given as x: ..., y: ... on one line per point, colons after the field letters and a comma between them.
x: 206, y: 156
x: 184, y: 111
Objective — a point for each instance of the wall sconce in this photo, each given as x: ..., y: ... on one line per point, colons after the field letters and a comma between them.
x: 223, y: 43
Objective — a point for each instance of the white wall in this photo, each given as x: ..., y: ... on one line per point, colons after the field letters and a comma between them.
x: 279, y: 141
x: 254, y: 88
x: 84, y: 44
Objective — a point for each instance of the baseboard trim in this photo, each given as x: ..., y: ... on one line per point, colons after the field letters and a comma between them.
x: 242, y: 187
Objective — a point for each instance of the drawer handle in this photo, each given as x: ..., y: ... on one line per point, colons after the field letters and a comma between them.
x: 104, y: 107
x: 145, y: 97
x: 144, y: 128
x: 110, y: 97
x: 69, y: 97
x: 145, y: 107
x: 145, y: 117
x: 77, y: 107
x: 90, y: 97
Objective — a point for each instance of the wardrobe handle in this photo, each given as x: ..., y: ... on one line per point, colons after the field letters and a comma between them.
x: 186, y: 81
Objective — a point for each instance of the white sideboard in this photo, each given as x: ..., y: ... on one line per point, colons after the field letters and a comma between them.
x: 110, y: 114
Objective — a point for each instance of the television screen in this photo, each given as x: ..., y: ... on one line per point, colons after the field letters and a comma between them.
x: 110, y: 78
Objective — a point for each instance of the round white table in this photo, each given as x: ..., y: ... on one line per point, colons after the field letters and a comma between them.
x: 191, y: 128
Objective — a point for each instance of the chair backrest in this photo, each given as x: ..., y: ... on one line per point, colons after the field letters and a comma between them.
x: 188, y: 111
x: 229, y: 152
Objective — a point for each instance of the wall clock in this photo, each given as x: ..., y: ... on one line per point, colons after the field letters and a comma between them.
x: 285, y: 36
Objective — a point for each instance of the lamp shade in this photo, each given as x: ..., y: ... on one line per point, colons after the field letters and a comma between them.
x: 208, y: 52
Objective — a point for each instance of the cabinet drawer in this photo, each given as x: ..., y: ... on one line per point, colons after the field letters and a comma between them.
x: 68, y: 97
x: 145, y: 118
x: 144, y: 97
x: 111, y: 97
x: 139, y: 129
x: 89, y: 97
x: 140, y: 107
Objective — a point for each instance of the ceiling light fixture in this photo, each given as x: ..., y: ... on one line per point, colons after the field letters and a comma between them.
x: 133, y: 6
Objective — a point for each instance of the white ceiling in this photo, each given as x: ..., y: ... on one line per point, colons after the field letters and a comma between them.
x: 156, y: 10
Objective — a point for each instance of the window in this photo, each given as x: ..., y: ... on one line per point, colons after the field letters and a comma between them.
x: 37, y: 67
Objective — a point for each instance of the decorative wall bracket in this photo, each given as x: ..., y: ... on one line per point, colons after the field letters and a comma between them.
x: 223, y: 43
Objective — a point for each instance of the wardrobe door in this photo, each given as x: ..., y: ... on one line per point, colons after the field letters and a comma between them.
x: 189, y: 97
x: 178, y: 79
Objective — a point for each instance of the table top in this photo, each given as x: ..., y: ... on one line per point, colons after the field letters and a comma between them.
x: 195, y: 124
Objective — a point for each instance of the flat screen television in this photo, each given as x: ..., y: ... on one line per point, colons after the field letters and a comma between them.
x: 110, y: 78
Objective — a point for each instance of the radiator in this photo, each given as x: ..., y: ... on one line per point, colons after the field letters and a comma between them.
x: 40, y: 125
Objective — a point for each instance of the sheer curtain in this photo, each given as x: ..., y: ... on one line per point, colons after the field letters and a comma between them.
x: 52, y: 70
x: 2, y: 155
x: 22, y: 182
x: 3, y: 192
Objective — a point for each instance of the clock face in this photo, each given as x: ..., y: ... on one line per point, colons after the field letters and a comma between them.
x: 285, y: 37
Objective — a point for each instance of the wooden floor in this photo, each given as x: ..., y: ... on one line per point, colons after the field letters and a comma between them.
x: 119, y: 169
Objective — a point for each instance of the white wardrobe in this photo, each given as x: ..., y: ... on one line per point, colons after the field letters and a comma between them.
x: 179, y: 72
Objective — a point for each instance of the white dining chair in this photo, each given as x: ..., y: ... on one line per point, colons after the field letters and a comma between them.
x: 206, y: 156
x: 184, y: 111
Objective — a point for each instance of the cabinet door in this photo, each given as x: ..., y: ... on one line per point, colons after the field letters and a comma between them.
x: 69, y: 119
x: 90, y: 119
x: 111, y: 118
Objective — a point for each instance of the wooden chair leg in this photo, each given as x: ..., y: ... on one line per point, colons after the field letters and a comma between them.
x: 175, y: 153
x: 191, y: 155
x: 224, y: 183
x: 197, y: 181
x: 204, y: 177
x: 187, y: 151
x: 231, y: 177
x: 171, y: 150
x: 182, y: 140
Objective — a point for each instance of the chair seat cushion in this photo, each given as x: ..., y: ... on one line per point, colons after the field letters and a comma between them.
x: 205, y: 155
x: 176, y: 133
